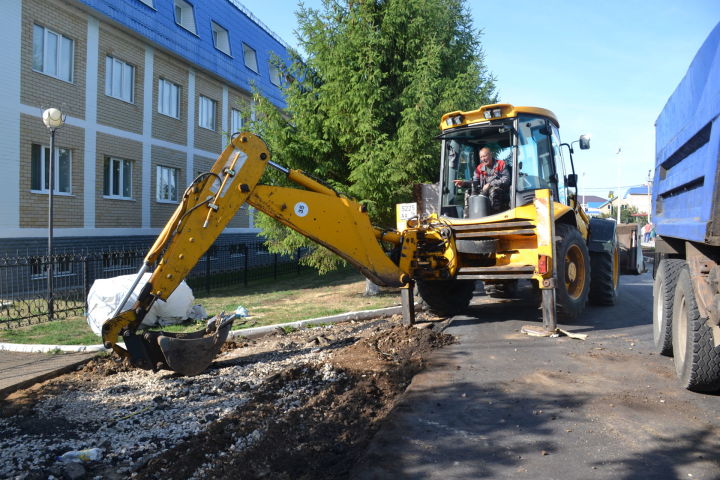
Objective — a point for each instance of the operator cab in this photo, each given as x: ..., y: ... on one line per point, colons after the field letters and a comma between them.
x: 525, y: 138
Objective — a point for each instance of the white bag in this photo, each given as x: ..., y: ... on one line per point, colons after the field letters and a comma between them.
x: 107, y: 293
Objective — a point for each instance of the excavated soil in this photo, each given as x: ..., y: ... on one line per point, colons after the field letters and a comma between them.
x: 302, y: 405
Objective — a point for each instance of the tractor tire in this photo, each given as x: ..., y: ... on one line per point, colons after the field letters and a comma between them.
x: 697, y: 360
x: 573, y: 272
x: 446, y: 298
x: 663, y: 295
x: 604, y: 278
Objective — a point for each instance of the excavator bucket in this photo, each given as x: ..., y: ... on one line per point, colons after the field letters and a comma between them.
x: 191, y: 353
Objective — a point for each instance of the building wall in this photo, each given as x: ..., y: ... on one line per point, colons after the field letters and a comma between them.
x: 99, y: 126
x: 67, y: 208
x: 114, y: 212
x: 41, y: 90
x: 164, y: 127
x: 112, y: 111
x: 208, y: 140
x: 162, y: 211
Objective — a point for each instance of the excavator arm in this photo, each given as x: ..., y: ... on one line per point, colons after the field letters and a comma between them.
x: 315, y: 210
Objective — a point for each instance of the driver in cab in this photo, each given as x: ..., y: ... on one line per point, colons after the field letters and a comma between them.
x: 493, y: 177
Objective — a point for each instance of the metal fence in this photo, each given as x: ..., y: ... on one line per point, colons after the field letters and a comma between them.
x: 24, y: 289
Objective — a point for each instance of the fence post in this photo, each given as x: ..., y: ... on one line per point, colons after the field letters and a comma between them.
x: 275, y: 266
x: 207, y: 272
x: 86, y: 279
x: 297, y: 260
x: 245, y: 270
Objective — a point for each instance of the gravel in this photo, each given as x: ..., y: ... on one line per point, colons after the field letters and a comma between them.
x: 133, y: 415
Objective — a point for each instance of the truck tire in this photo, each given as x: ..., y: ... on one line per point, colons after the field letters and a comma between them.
x: 446, y: 298
x: 697, y: 360
x: 663, y: 294
x: 605, y: 277
x: 573, y: 272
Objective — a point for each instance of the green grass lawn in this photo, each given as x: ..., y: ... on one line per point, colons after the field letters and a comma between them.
x: 289, y: 298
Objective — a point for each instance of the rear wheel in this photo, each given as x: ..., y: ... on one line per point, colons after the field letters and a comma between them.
x: 573, y: 272
x: 663, y: 294
x: 605, y: 277
x: 697, y: 360
x: 446, y: 297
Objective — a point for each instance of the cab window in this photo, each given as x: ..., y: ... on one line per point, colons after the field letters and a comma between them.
x: 559, y: 165
x: 534, y: 154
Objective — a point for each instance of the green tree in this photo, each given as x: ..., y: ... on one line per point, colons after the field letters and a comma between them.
x: 628, y: 214
x: 364, y: 106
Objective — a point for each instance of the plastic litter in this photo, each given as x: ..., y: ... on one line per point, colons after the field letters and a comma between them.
x: 241, y: 311
x: 86, y: 455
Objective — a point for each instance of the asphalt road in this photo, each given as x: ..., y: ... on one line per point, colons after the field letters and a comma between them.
x: 501, y: 404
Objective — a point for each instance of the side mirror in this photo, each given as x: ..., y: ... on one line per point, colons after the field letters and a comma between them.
x: 584, y: 142
x: 571, y: 180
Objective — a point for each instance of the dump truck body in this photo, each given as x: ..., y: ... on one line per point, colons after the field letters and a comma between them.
x: 686, y: 215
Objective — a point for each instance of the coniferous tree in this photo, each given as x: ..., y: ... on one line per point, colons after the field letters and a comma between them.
x: 364, y: 106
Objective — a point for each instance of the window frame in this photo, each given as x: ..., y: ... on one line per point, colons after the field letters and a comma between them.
x: 187, y: 15
x: 160, y: 171
x: 44, y: 68
x: 274, y: 73
x: 43, y: 164
x: 108, y: 182
x: 203, y: 116
x: 161, y: 97
x: 236, y: 121
x: 247, y: 49
x: 221, y: 38
x: 110, y: 83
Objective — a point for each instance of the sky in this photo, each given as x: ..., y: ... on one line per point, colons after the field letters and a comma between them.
x: 605, y: 68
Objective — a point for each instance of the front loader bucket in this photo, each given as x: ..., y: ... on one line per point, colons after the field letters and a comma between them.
x: 191, y: 353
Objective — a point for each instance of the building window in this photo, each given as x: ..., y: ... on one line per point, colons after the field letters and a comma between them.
x: 52, y: 53
x: 40, y: 170
x: 236, y: 121
x: 119, y: 79
x: 206, y: 113
x: 117, y: 178
x: 221, y: 38
x: 167, y: 180
x: 184, y: 15
x: 250, y: 58
x: 168, y: 98
x: 62, y: 267
x: 274, y: 74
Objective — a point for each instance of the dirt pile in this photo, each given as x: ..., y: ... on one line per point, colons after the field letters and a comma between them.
x: 298, y: 405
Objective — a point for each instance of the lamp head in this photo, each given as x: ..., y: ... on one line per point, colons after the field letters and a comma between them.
x: 53, y: 118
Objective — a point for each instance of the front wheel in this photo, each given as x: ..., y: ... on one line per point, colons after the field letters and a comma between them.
x: 697, y: 360
x: 573, y: 272
x: 446, y: 298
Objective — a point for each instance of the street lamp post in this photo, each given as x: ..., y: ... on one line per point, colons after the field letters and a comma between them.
x: 617, y: 195
x: 53, y: 119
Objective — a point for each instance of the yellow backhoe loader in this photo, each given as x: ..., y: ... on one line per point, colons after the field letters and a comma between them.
x: 542, y: 235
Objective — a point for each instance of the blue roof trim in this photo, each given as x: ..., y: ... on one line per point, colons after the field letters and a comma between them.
x: 159, y: 28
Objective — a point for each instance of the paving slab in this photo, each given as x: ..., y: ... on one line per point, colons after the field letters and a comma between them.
x: 20, y: 369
